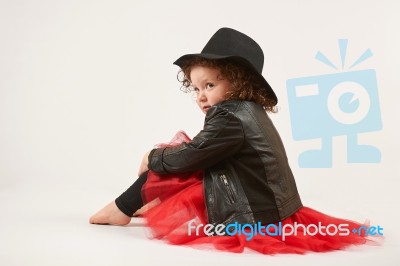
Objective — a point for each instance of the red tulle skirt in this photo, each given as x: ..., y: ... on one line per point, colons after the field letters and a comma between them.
x: 179, y: 216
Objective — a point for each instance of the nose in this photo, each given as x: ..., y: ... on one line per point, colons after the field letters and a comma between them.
x: 201, y: 96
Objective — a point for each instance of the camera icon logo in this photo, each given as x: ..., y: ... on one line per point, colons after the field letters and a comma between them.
x: 344, y: 103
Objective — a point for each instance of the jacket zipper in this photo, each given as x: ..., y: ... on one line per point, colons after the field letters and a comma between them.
x: 228, y: 188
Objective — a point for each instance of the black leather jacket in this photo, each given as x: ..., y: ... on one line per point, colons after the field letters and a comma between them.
x: 247, y: 178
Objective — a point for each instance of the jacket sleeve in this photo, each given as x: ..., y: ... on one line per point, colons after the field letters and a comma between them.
x: 221, y: 137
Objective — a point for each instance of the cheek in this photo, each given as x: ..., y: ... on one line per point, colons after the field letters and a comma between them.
x: 217, y: 98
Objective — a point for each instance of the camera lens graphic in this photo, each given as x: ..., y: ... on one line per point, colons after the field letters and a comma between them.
x: 348, y: 103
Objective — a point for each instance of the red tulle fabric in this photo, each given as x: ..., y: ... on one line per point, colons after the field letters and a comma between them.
x: 180, y: 201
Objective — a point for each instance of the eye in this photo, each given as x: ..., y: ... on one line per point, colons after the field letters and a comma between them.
x: 196, y: 90
x: 209, y: 85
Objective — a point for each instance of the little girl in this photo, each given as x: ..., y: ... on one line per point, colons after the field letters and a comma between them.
x: 231, y: 185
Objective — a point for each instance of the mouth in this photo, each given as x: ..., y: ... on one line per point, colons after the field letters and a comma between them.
x: 205, y: 108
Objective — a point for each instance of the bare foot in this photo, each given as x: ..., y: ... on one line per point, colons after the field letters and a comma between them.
x: 110, y: 214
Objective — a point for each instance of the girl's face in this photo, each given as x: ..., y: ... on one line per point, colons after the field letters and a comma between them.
x: 210, y: 87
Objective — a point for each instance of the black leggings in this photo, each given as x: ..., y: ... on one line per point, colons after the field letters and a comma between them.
x: 131, y: 200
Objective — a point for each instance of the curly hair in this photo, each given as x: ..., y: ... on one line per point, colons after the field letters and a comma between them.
x: 246, y: 85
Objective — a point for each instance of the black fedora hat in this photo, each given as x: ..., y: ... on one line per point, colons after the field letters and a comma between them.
x: 228, y: 43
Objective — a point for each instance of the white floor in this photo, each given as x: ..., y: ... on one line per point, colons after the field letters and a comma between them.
x: 47, y: 224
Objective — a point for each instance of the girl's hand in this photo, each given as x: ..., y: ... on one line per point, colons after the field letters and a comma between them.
x: 144, y: 165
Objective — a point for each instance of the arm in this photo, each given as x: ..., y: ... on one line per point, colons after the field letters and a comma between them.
x: 221, y: 137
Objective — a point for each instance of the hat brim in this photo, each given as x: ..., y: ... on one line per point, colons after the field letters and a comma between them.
x: 181, y: 61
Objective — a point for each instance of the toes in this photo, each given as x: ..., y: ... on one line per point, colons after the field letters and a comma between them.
x: 96, y: 220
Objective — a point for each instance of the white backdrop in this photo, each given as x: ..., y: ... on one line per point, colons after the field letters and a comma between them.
x: 87, y: 87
